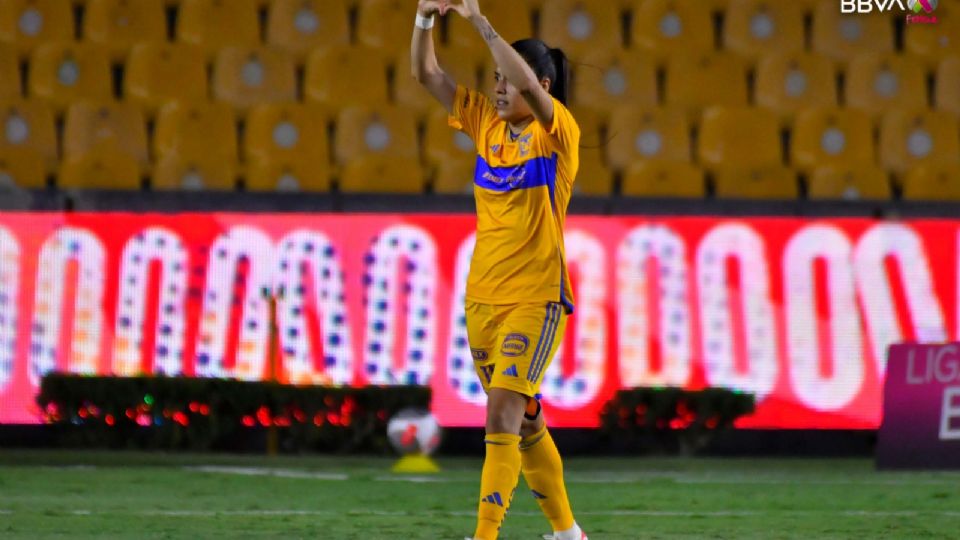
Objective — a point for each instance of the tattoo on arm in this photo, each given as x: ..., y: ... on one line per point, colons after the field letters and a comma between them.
x: 487, y: 31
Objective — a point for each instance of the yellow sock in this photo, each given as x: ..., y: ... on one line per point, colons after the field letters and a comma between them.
x: 543, y: 471
x: 501, y: 469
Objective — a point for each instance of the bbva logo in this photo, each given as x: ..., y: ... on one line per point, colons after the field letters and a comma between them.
x: 882, y: 6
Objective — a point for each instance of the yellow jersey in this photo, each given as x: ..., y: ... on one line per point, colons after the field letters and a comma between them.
x: 522, y: 186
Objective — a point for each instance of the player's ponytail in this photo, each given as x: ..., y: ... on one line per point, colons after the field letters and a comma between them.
x: 546, y: 63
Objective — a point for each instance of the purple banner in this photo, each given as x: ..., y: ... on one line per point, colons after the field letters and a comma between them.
x: 921, y: 408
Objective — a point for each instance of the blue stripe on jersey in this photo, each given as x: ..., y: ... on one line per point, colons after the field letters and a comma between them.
x: 534, y: 172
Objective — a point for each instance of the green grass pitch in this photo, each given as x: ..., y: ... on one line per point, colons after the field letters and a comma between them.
x: 81, y: 494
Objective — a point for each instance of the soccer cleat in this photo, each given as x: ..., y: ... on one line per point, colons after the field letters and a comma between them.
x: 583, y: 536
x: 573, y: 533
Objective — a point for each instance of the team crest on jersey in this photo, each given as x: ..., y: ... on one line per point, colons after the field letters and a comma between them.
x: 525, y: 145
x: 514, y: 345
x: 479, y: 355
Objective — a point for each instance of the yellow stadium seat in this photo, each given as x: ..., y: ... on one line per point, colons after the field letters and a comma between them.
x: 375, y: 131
x: 159, y: 73
x: 103, y: 128
x: 194, y: 173
x: 755, y: 27
x: 287, y: 134
x: 10, y: 83
x: 606, y: 81
x: 23, y: 170
x: 196, y: 130
x: 293, y: 176
x: 385, y: 25
x: 510, y: 18
x: 700, y: 81
x: 875, y: 83
x: 934, y: 42
x: 643, y: 134
x: 663, y: 179
x: 454, y: 177
x: 840, y: 37
x: 594, y: 178
x: 740, y: 138
x: 244, y: 77
x: 29, y: 128
x: 665, y: 27
x: 382, y: 174
x: 462, y: 65
x: 933, y: 183
x: 592, y: 125
x: 343, y: 76
x: 788, y: 83
x: 446, y: 144
x: 773, y: 182
x: 29, y: 23
x: 947, y: 92
x: 850, y: 183
x: 299, y: 26
x: 100, y: 170
x: 912, y: 138
x: 832, y: 137
x: 61, y: 73
x: 214, y: 24
x: 581, y: 27
x: 117, y: 25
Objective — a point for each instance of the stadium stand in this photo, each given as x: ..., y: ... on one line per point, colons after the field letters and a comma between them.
x: 244, y: 77
x: 832, y: 137
x: 910, y: 138
x: 610, y: 79
x: 21, y: 170
x: 161, y: 73
x: 933, y: 183
x: 368, y: 132
x: 754, y: 27
x: 300, y: 26
x: 29, y: 129
x: 666, y: 27
x: 101, y: 169
x: 118, y: 25
x: 197, y: 132
x: 105, y: 129
x: 706, y: 80
x: 193, y: 173
x: 63, y: 73
x: 27, y: 24
x: 346, y: 76
x: 875, y: 83
x: 850, y: 183
x: 287, y: 148
x: 663, y: 179
x: 933, y: 43
x: 513, y: 20
x: 640, y: 134
x: 841, y: 37
x: 580, y: 27
x: 789, y: 83
x: 10, y: 83
x: 214, y: 24
x: 947, y: 91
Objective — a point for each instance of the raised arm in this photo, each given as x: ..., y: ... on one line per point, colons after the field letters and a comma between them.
x: 423, y: 58
x: 512, y: 65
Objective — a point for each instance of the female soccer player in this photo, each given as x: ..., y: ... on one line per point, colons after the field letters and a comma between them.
x: 518, y: 291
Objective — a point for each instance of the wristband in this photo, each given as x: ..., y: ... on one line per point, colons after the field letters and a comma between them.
x: 424, y: 23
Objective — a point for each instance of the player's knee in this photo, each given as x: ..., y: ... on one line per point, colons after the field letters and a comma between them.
x: 504, y: 411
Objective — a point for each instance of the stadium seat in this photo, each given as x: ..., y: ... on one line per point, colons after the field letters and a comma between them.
x: 934, y: 42
x: 454, y: 177
x: 29, y: 23
x: 21, y: 169
x: 158, y: 73
x: 788, y: 83
x: 700, y: 81
x: 195, y: 130
x: 933, y: 183
x: 756, y: 183
x: 382, y: 174
x: 61, y: 73
x: 594, y: 178
x: 841, y: 37
x: 344, y: 76
x: 665, y: 27
x: 244, y: 77
x: 740, y: 138
x: 364, y: 132
x: 875, y: 83
x: 592, y: 127
x: 912, y: 138
x: 287, y: 134
x: 214, y: 24
x: 756, y: 27
x: 511, y: 18
x: 832, y: 137
x: 645, y: 134
x: 299, y: 26
x: 947, y: 92
x: 463, y: 65
x: 100, y: 170
x: 108, y: 127
x: 117, y: 25
x: 29, y: 128
x: 193, y: 173
x: 582, y: 27
x: 10, y: 83
x: 663, y: 179
x: 850, y: 183
x: 385, y: 24
x: 444, y: 144
x: 606, y: 81
x: 293, y: 176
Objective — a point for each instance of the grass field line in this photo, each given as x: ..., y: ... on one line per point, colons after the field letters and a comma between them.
x: 269, y: 471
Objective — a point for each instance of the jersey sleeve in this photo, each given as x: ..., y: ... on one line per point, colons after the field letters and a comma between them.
x: 563, y: 132
x: 471, y: 112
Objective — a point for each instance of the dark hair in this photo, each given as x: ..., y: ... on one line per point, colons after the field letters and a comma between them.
x: 546, y: 63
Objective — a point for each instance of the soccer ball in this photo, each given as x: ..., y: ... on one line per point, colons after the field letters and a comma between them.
x: 414, y: 431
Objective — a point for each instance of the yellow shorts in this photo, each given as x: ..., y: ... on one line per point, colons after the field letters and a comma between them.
x: 512, y: 345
